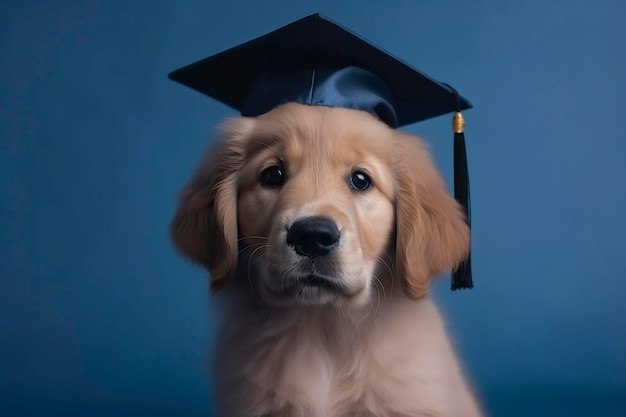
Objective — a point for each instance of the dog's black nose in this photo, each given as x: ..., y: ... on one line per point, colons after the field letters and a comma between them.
x: 313, y: 236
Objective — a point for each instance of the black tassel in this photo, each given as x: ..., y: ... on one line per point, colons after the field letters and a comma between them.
x: 462, y: 274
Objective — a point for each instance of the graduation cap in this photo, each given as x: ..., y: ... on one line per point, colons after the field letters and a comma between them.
x: 317, y: 62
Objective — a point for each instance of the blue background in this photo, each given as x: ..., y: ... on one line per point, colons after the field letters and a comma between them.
x: 98, y: 314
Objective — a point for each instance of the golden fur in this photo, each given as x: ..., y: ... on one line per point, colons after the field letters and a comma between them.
x: 377, y: 346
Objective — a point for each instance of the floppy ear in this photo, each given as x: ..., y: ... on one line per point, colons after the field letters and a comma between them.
x: 205, y: 226
x: 431, y: 232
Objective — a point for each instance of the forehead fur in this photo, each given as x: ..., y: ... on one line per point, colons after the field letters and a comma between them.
x: 333, y: 131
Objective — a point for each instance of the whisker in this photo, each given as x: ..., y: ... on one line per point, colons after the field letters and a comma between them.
x: 249, y: 268
x: 245, y: 248
x: 386, y: 265
x: 252, y: 237
x: 373, y: 309
x: 377, y: 283
x: 391, y: 274
x: 345, y: 317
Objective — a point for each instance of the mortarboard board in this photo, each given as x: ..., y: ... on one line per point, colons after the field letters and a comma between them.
x: 316, y: 61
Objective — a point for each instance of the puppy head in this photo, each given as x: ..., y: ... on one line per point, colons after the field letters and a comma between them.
x: 304, y: 202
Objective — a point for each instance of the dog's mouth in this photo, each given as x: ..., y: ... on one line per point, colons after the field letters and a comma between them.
x: 312, y: 286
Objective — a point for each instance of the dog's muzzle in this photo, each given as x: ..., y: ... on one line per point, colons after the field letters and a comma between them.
x: 313, y: 236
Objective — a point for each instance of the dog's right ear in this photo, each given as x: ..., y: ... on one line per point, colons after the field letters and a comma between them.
x: 204, y: 228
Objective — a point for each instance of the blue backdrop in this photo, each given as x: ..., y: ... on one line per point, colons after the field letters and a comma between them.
x: 99, y: 316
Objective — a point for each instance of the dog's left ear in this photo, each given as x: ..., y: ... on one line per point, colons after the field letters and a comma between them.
x: 431, y: 232
x: 205, y: 225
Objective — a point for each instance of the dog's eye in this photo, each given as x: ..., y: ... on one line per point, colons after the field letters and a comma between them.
x: 359, y: 181
x: 273, y: 177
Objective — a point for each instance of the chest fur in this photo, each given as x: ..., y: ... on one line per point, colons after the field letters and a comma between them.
x: 316, y: 368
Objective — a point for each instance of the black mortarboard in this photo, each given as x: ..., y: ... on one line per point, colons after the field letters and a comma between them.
x: 315, y: 61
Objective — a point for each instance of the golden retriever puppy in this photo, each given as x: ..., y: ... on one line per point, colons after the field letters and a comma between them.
x: 322, y: 228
